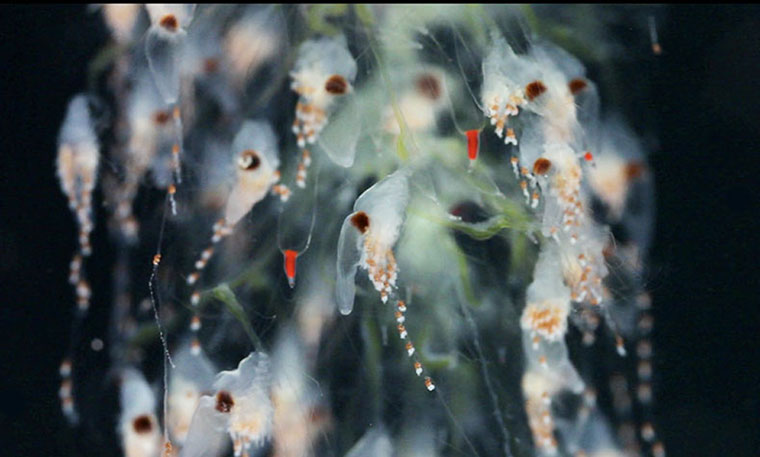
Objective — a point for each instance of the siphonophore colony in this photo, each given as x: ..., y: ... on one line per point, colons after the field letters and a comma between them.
x: 360, y: 231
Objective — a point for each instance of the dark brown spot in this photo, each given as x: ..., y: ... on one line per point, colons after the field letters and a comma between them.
x: 336, y: 85
x: 429, y: 86
x: 161, y: 117
x: 249, y: 160
x: 360, y: 220
x: 576, y: 85
x: 541, y: 166
x: 634, y: 170
x: 224, y: 401
x: 169, y: 22
x: 142, y: 424
x: 534, y: 89
x: 211, y: 65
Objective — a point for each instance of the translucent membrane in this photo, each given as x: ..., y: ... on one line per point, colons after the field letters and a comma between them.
x: 368, y: 235
x: 256, y: 154
x: 348, y: 260
x: 192, y: 377
x: 240, y: 407
x: 163, y: 50
x: 207, y: 435
x: 341, y: 137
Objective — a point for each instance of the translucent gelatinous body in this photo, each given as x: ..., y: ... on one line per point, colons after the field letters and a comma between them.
x: 367, y: 238
x: 256, y: 154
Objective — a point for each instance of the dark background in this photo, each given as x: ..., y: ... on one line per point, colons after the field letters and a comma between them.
x: 703, y: 107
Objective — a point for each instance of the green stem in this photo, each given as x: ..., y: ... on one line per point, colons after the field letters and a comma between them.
x: 224, y: 294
